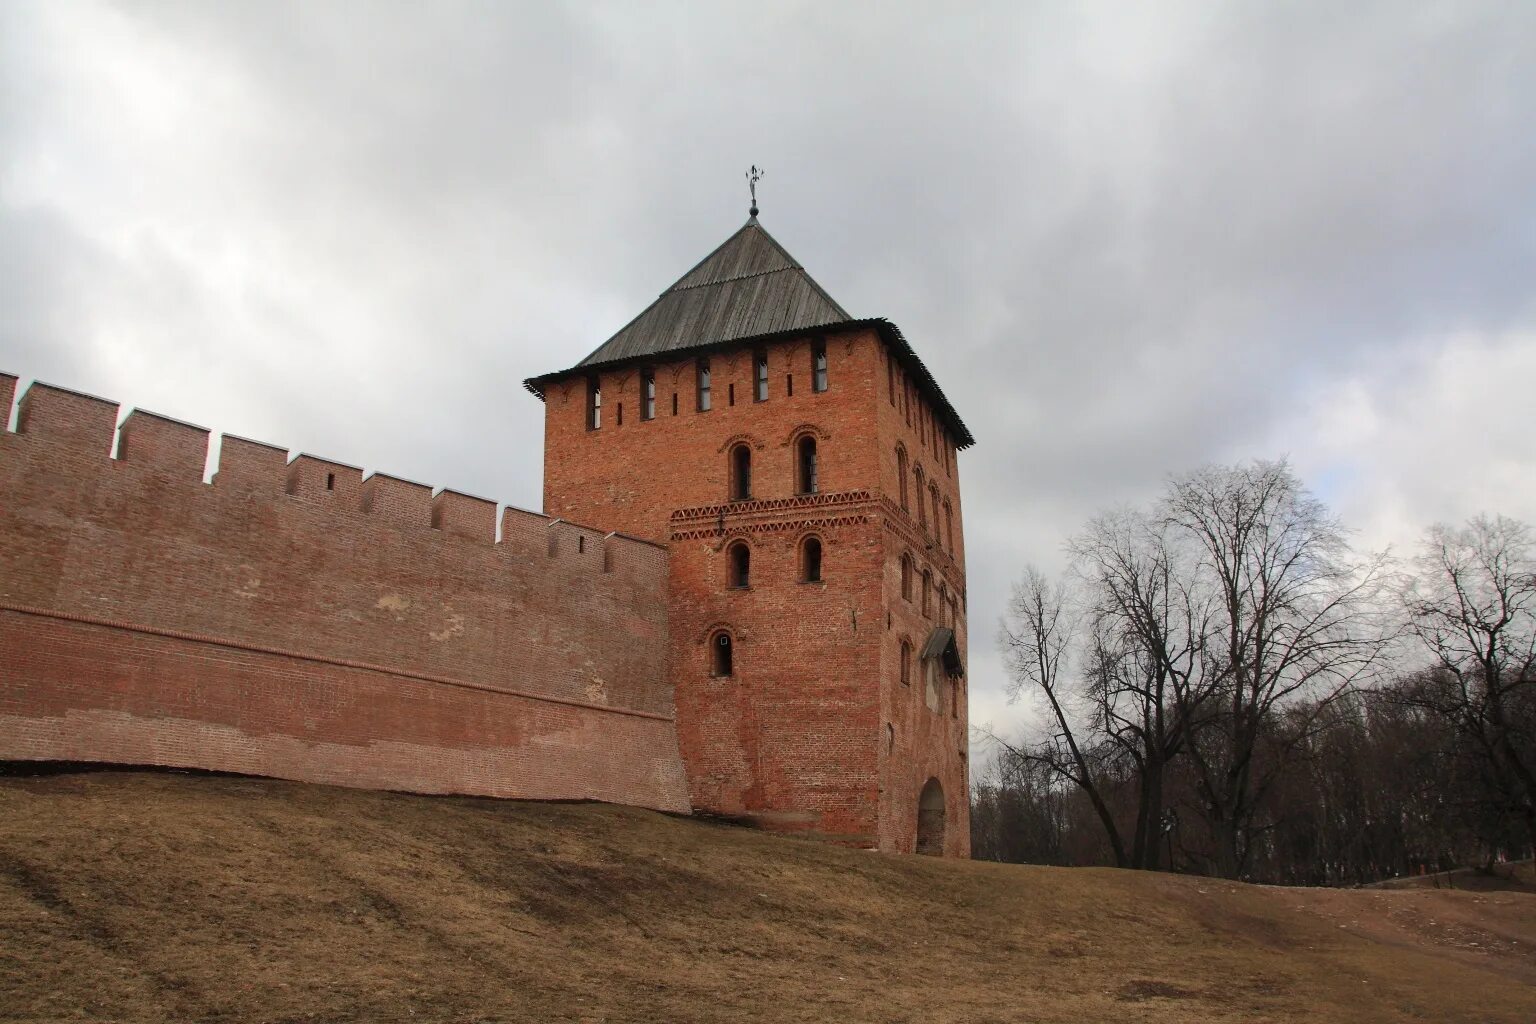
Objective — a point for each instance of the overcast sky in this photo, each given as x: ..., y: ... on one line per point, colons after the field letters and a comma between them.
x: 1127, y: 238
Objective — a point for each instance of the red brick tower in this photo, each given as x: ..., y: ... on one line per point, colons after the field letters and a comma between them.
x: 800, y: 466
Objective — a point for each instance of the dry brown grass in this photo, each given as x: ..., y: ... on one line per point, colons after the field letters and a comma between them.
x: 145, y: 897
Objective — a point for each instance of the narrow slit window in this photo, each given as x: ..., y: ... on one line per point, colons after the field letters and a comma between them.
x: 809, y: 472
x: 906, y: 663
x: 704, y: 385
x: 674, y: 403
x: 740, y: 559
x: 330, y: 481
x: 906, y: 577
x: 934, y: 491
x: 760, y: 377
x: 890, y: 378
x: 901, y: 475
x: 741, y: 472
x: 730, y: 393
x: 819, y: 366
x: 720, y: 654
x: 927, y: 593
x: 922, y: 506
x: 789, y: 385
x: 618, y: 419
x: 594, y: 403
x: 648, y: 396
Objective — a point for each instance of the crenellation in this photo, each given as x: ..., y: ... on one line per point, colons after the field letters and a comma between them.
x: 464, y: 515
x: 246, y: 465
x: 318, y: 479
x: 524, y: 534
x: 161, y: 445
x: 568, y: 540
x: 69, y: 421
x: 403, y: 502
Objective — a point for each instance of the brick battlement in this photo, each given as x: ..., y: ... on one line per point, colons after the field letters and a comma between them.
x: 296, y: 618
x: 77, y: 429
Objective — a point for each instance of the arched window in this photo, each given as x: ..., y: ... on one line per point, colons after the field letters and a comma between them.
x: 922, y: 506
x: 906, y: 577
x: 949, y: 527
x: 808, y: 473
x: 810, y: 560
x: 933, y: 493
x: 741, y: 472
x: 720, y: 654
x: 819, y: 366
x: 906, y: 663
x: 927, y: 592
x: 740, y: 560
x: 901, y: 474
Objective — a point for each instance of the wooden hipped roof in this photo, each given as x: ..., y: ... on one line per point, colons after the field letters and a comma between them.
x: 749, y: 289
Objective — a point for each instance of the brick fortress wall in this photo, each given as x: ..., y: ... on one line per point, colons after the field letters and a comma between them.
x: 296, y: 620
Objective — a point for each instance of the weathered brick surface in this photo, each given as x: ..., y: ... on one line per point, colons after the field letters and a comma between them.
x: 296, y: 620
x: 813, y: 731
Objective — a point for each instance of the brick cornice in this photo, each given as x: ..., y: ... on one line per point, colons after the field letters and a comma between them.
x: 683, y: 518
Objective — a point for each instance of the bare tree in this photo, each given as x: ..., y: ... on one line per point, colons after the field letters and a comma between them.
x: 1472, y: 604
x: 1037, y: 636
x: 1150, y: 676
x: 1295, y: 616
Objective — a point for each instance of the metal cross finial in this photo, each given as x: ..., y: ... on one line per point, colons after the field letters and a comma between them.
x: 753, y: 177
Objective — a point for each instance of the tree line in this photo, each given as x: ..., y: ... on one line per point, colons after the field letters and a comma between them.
x: 1230, y: 689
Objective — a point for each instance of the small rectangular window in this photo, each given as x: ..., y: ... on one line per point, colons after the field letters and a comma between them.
x: 674, y: 403
x: 704, y: 385
x: 594, y: 403
x: 618, y: 420
x: 760, y: 377
x: 730, y: 393
x: 789, y: 385
x: 648, y: 395
x: 819, y: 366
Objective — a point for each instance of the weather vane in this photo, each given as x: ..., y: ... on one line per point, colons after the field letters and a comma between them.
x: 753, y: 177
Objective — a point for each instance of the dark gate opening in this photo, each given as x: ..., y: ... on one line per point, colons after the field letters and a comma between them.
x: 930, y: 820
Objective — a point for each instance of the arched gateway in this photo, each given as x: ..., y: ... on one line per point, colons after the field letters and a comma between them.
x: 930, y: 820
